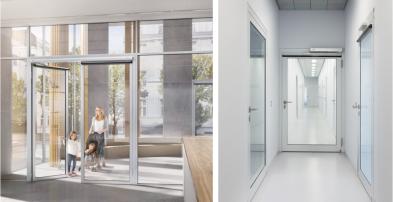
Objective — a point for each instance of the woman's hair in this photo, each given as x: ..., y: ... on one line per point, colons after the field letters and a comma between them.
x: 71, y: 133
x: 101, y: 115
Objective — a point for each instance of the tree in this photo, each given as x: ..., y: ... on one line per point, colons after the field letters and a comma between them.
x: 202, y: 69
x: 116, y: 95
x: 18, y: 99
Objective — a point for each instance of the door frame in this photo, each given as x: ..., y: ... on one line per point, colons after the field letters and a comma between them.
x: 33, y: 65
x: 133, y: 168
x: 298, y: 53
x: 368, y: 186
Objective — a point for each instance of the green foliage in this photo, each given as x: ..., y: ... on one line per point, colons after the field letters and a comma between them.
x: 116, y: 94
x: 18, y: 99
x: 202, y: 69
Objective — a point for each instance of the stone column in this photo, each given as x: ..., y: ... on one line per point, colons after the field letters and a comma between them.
x: 97, y: 75
x: 6, y: 103
x: 177, y: 113
x: 6, y: 116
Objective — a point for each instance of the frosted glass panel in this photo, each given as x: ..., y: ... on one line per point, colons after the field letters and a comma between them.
x: 366, y: 103
x: 257, y: 101
x: 311, y: 100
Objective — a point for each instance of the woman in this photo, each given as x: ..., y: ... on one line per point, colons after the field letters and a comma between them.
x: 98, y: 128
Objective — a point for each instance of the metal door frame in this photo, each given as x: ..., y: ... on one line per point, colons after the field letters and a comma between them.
x: 368, y: 186
x: 31, y: 118
x: 126, y: 58
x: 284, y: 119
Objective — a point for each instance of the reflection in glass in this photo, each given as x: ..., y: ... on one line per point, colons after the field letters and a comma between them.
x: 14, y: 42
x: 257, y: 101
x: 13, y: 113
x: 312, y: 97
x: 366, y: 102
x: 202, y: 34
x: 151, y: 95
x: 151, y: 37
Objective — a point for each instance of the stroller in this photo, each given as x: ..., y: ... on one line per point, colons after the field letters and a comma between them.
x: 91, y: 153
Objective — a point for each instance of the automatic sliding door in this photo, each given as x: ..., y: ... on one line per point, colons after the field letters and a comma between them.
x: 107, y: 130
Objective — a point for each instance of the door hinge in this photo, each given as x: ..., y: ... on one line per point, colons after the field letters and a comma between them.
x: 342, y: 63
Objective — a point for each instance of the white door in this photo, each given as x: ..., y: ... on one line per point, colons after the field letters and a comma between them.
x: 311, y: 104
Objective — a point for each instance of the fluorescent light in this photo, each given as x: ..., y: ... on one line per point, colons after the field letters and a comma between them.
x: 314, y: 61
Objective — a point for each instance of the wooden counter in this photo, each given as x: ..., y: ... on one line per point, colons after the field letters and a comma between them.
x: 199, y: 156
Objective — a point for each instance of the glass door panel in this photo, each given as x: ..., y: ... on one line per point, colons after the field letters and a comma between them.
x: 107, y: 131
x: 49, y: 119
x: 257, y: 107
x: 310, y: 104
x: 366, y: 106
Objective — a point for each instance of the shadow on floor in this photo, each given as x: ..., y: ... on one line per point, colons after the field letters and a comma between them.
x: 57, y: 190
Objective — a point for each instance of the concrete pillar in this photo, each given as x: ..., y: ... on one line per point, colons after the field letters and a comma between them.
x: 97, y: 81
x: 6, y: 116
x: 177, y: 73
x: 6, y: 103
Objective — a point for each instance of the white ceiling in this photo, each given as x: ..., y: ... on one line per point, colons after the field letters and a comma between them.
x: 311, y: 4
x: 311, y: 67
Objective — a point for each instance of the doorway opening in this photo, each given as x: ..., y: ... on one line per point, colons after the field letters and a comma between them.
x: 311, y: 104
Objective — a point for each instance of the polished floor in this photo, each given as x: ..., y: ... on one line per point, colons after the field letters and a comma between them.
x: 160, y: 179
x: 311, y: 177
x: 311, y: 127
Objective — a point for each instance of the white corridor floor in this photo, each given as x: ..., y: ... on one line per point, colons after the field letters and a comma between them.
x: 311, y: 177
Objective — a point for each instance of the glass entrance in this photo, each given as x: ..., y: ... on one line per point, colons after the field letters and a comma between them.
x: 49, y: 119
x: 107, y: 122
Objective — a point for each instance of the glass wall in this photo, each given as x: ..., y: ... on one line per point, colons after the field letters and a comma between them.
x: 257, y: 106
x: 175, y: 91
x: 13, y: 113
x: 366, y: 107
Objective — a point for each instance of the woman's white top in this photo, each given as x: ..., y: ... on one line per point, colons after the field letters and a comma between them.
x: 98, y: 125
x: 73, y: 147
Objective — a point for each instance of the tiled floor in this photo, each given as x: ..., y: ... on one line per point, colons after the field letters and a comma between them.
x: 311, y: 177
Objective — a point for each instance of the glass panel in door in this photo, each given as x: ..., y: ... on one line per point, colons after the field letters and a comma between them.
x: 49, y: 106
x: 257, y: 101
x: 311, y: 101
x: 366, y: 106
x: 106, y: 122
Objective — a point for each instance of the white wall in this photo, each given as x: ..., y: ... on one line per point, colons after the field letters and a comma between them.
x: 312, y: 29
x: 232, y: 82
x: 20, y: 12
x: 356, y: 13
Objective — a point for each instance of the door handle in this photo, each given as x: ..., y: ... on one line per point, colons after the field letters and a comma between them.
x: 250, y: 109
x: 356, y: 106
x: 285, y: 102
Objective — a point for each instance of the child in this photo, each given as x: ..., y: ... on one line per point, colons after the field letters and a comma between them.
x: 90, y: 155
x: 73, y: 149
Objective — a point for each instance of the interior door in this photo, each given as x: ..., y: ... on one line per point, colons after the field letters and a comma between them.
x: 49, y: 121
x: 365, y: 167
x: 109, y: 86
x: 311, y: 103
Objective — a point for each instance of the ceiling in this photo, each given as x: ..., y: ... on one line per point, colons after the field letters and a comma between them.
x: 311, y: 4
x: 311, y: 67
